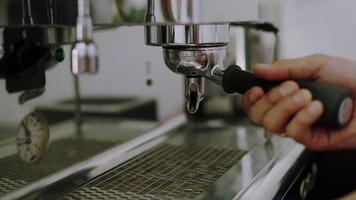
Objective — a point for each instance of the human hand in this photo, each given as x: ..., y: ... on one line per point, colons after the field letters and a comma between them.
x: 291, y: 110
x: 351, y: 196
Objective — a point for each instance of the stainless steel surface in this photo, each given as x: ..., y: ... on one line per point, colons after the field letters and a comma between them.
x: 345, y: 111
x: 85, y: 53
x: 192, y: 50
x: 196, y: 63
x: 26, y: 13
x: 109, y: 13
x: 169, y: 22
x: 165, y: 172
x: 250, y: 45
x: 84, y: 58
x: 212, y: 160
x: 193, y: 163
x: 69, y: 153
x: 271, y: 179
x: 194, y: 93
x: 187, y: 35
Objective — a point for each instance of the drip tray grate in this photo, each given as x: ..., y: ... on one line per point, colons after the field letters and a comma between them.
x: 165, y: 172
x: 14, y: 174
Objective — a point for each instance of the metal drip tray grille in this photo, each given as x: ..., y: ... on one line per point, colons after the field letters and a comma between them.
x: 15, y: 174
x: 166, y: 172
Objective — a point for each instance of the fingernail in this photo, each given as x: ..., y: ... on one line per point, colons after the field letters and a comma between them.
x: 299, y: 98
x: 264, y: 65
x: 287, y: 89
x: 314, y: 108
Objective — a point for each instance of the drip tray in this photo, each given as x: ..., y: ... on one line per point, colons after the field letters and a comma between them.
x: 15, y: 174
x: 169, y: 171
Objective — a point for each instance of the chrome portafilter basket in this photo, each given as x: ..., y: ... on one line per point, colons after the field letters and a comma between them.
x: 196, y: 63
x: 193, y: 50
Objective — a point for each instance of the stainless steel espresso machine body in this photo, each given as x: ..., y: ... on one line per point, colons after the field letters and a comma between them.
x: 102, y: 148
x: 172, y: 24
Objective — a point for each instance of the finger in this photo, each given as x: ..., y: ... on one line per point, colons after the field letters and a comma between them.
x: 278, y: 117
x: 299, y: 127
x: 301, y: 68
x: 260, y: 108
x: 251, y: 97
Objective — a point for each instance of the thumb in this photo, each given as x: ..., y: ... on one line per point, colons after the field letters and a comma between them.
x: 292, y: 69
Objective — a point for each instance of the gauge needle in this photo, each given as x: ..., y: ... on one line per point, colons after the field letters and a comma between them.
x: 26, y: 140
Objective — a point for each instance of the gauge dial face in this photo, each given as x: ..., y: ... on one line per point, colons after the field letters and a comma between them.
x: 32, y: 138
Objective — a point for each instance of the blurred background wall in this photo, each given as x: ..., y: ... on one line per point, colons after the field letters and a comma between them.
x: 313, y: 26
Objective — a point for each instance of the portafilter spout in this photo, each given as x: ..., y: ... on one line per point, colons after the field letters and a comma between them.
x: 196, y: 63
x: 194, y: 92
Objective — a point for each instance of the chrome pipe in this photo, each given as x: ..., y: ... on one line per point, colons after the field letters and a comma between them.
x: 84, y: 51
x: 26, y: 13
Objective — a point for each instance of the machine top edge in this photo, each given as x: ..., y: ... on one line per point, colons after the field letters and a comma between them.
x: 127, y: 12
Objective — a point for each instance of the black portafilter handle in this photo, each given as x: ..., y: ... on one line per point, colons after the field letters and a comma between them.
x: 337, y: 102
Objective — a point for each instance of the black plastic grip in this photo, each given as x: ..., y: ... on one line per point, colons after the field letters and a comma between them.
x: 337, y: 102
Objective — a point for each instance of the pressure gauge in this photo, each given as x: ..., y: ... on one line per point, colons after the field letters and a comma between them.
x: 32, y: 138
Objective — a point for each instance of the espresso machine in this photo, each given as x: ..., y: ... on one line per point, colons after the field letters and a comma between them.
x: 100, y: 156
